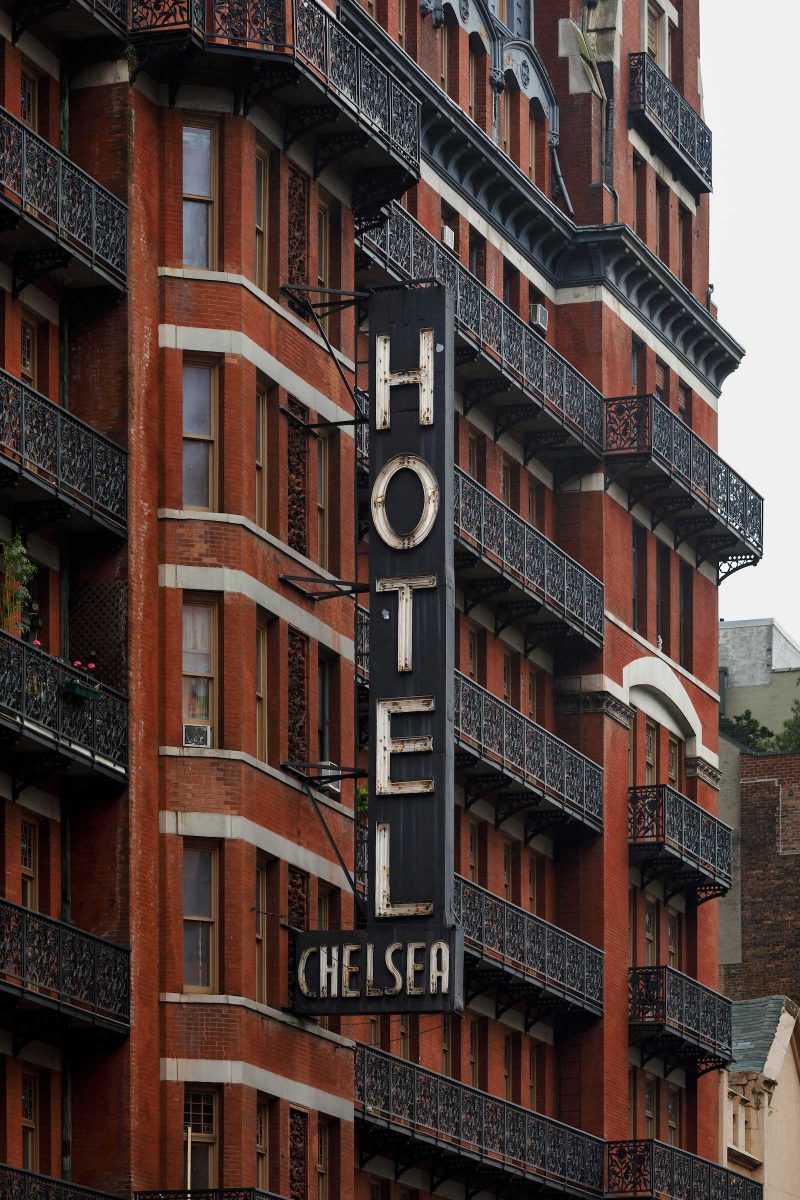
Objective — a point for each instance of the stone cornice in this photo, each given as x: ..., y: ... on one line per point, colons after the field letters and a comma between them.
x: 570, y: 703
x: 698, y: 768
x: 567, y: 255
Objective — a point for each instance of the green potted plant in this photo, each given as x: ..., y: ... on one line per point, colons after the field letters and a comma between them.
x: 17, y: 572
x: 83, y: 687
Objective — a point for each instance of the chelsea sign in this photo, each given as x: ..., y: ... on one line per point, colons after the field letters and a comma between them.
x: 410, y: 955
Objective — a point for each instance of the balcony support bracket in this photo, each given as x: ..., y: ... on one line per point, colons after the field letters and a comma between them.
x: 374, y: 188
x: 333, y: 146
x: 478, y: 590
x: 26, y: 15
x: 306, y: 117
x: 537, y: 635
x: 27, y: 769
x: 480, y: 389
x: 514, y: 610
x: 34, y: 514
x: 510, y: 416
x: 729, y: 566
x: 542, y: 440
x: 477, y: 786
x: 29, y: 265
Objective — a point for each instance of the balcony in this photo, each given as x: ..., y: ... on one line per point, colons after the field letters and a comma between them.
x: 27, y: 1185
x: 421, y: 1118
x: 675, y: 1018
x: 335, y: 91
x: 58, y: 978
x: 661, y: 463
x: 529, y: 771
x: 247, y: 1193
x: 652, y: 1170
x: 672, y: 838
x: 57, y: 465
x: 56, y: 218
x: 52, y: 716
x: 87, y: 20
x: 527, y: 959
x: 669, y: 124
x: 503, y: 367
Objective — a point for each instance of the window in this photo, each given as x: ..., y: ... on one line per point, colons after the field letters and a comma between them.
x: 199, y: 155
x: 447, y: 1045
x: 374, y: 1031
x: 323, y: 1166
x: 532, y: 143
x: 199, y: 918
x: 631, y: 756
x: 29, y: 97
x: 507, y: 675
x: 650, y: 753
x: 674, y: 762
x: 28, y: 350
x: 533, y: 1075
x: 654, y: 33
x: 663, y: 596
x: 472, y: 84
x: 639, y: 578
x: 534, y: 514
x: 674, y: 939
x: 532, y: 673
x: 444, y: 55
x: 638, y: 206
x: 507, y: 473
x: 661, y: 382
x: 472, y: 456
x: 401, y: 22
x: 261, y: 457
x: 261, y: 226
x: 323, y: 709
x: 686, y: 582
x: 633, y: 922
x: 199, y: 436
x: 508, y: 1067
x: 200, y: 1136
x: 685, y: 246
x: 473, y: 834
x: 650, y: 1106
x: 472, y: 653
x: 323, y: 254
x: 30, y: 1121
x: 450, y: 221
x: 502, y: 100
x: 474, y: 1052
x: 199, y: 666
x: 323, y: 488
x: 684, y: 403
x: 651, y: 922
x: 533, y: 883
x: 29, y: 861
x: 508, y: 871
x: 261, y: 933
x: 662, y: 221
x: 631, y: 1102
x: 674, y: 1122
x: 261, y: 690
x: 477, y: 254
x: 404, y: 1048
x: 262, y: 1145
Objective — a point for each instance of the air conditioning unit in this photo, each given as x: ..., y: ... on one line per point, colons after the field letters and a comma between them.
x: 537, y: 317
x: 449, y: 237
x: 333, y: 787
x: 197, y: 735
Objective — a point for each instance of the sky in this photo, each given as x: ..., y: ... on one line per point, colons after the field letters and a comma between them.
x: 750, y: 98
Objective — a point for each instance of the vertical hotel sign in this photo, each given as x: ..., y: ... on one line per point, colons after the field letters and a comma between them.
x: 409, y: 958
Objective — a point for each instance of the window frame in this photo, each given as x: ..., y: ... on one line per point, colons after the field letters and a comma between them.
x: 28, y: 71
x: 261, y: 455
x: 262, y: 949
x: 200, y: 601
x: 211, y: 439
x: 324, y: 255
x: 28, y: 322
x: 211, y: 201
x: 261, y: 219
x: 650, y: 753
x: 208, y: 1139
x: 323, y: 1165
x: 212, y: 988
x: 652, y: 922
x: 323, y: 500
x: 651, y: 1105
x: 261, y: 689
x: 262, y: 1144
x: 29, y: 873
x: 30, y: 1125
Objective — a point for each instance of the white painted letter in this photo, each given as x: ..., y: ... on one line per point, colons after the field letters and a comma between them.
x: 413, y: 968
x: 440, y: 968
x: 430, y: 501
x: 328, y: 975
x: 405, y: 588
x: 349, y: 970
x: 388, y: 745
x: 383, y: 898
x: 371, y: 989
x: 391, y: 950
x: 386, y: 379
x: 301, y: 970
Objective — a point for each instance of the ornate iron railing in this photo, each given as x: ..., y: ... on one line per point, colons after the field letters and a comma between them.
x: 40, y: 690
x: 647, y: 1168
x: 527, y: 555
x: 48, y: 185
x: 70, y: 456
x: 27, y: 1185
x: 558, y: 961
x: 501, y: 735
x: 65, y: 964
x: 318, y: 39
x: 413, y: 253
x: 210, y: 1194
x: 653, y: 93
x: 643, y: 425
x: 662, y: 996
x: 458, y: 1118
x: 658, y: 816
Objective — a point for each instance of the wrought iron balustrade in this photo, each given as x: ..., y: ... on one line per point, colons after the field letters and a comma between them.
x: 56, y: 962
x: 654, y: 94
x: 39, y: 690
x: 648, y: 1169
x: 461, y: 1121
x: 315, y: 37
x: 560, y: 962
x: 500, y: 735
x: 676, y: 836
x: 643, y: 427
x: 16, y: 1184
x: 48, y: 186
x: 527, y: 555
x: 244, y: 1193
x: 661, y: 998
x: 52, y: 444
x: 542, y: 373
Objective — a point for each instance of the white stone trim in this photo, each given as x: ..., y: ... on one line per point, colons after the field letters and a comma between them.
x: 654, y: 652
x: 228, y: 827
x: 245, y: 1074
x: 228, y: 580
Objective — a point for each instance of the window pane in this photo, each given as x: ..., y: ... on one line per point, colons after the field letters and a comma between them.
x: 201, y: 1166
x: 196, y: 947
x: 196, y: 161
x: 197, y: 401
x: 197, y: 638
x: 195, y: 233
x: 197, y: 878
x: 259, y: 190
x: 196, y: 699
x: 196, y: 474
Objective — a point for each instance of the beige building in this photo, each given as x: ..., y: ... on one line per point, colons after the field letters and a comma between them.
x: 759, y: 666
x: 760, y: 1106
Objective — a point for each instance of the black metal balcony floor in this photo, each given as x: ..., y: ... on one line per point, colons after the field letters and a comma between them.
x: 39, y: 503
x: 91, y: 21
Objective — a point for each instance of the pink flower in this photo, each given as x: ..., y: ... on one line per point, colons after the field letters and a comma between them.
x: 77, y: 662
x: 36, y: 642
x: 90, y: 666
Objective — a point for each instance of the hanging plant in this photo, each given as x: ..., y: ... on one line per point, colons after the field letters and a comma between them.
x: 362, y: 801
x: 17, y: 572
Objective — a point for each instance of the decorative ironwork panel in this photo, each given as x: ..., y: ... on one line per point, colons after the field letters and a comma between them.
x: 297, y: 683
x: 652, y: 92
x: 664, y: 997
x: 627, y: 425
x: 298, y: 1154
x: 650, y: 1168
x: 662, y: 818
x: 249, y: 21
x: 297, y: 226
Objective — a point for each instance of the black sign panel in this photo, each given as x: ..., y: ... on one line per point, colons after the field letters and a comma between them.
x: 410, y: 956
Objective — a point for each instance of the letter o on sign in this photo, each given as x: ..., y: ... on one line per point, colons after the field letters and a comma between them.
x: 430, y: 504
